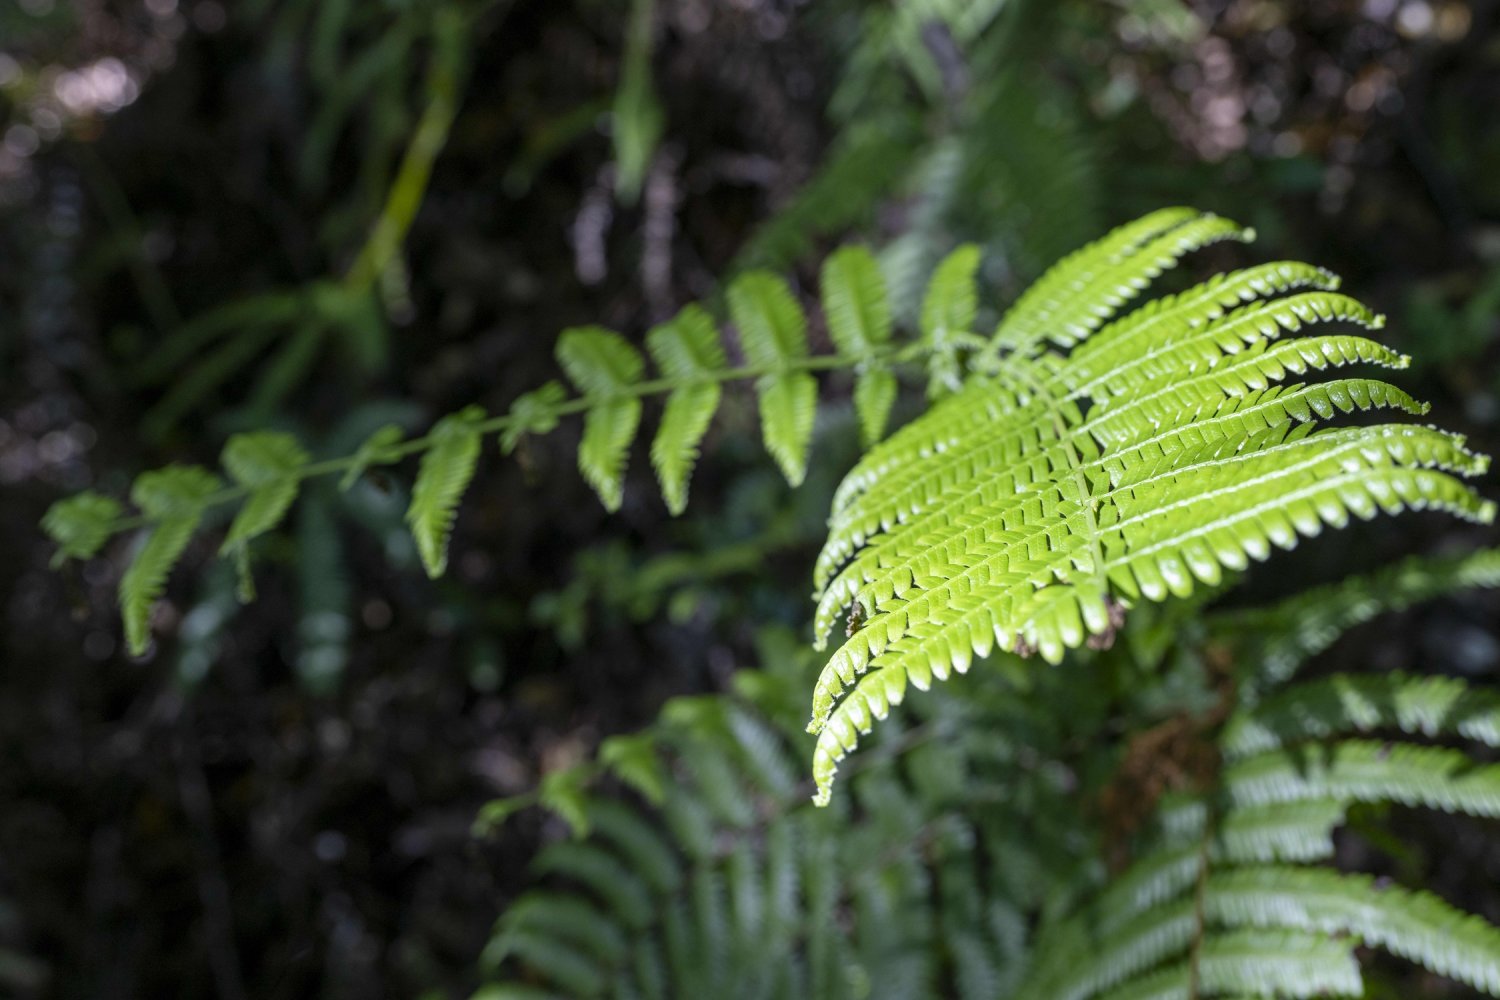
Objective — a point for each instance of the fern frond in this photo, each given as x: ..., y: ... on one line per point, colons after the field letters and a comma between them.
x: 603, y: 366
x: 265, y: 463
x: 685, y: 349
x: 773, y: 332
x: 80, y: 525
x: 1027, y: 509
x: 443, y: 476
x: 734, y: 887
x: 1219, y: 511
x: 174, y: 499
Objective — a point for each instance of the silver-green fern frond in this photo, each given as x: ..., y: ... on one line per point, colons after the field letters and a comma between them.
x: 1053, y: 491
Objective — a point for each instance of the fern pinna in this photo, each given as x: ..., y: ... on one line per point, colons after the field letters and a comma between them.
x: 1054, y: 490
x: 962, y: 864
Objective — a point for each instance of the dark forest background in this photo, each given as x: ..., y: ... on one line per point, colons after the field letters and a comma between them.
x: 276, y: 801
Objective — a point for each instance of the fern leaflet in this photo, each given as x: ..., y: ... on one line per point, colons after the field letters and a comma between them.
x: 444, y: 475
x: 265, y: 463
x: 174, y: 498
x: 774, y: 334
x: 603, y: 367
x: 80, y: 525
x: 687, y: 351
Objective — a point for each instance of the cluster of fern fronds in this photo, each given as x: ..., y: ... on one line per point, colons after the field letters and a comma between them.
x: 967, y: 860
x: 1098, y: 457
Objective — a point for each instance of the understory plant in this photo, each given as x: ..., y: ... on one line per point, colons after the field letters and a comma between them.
x: 1084, y: 479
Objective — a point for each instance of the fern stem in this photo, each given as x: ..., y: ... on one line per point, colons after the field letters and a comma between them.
x: 568, y: 407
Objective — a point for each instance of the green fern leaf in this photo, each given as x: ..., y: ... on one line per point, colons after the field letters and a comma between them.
x: 444, y: 475
x: 1024, y: 511
x: 788, y: 404
x: 174, y: 499
x: 773, y: 332
x: 570, y: 965
x: 948, y: 311
x: 639, y: 843
x: 688, y: 352
x: 855, y: 302
x: 80, y: 525
x: 858, y: 311
x: 874, y: 395
x: 266, y: 464
x: 604, y: 367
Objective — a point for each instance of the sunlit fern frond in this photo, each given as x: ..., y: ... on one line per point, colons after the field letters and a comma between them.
x: 1053, y: 491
